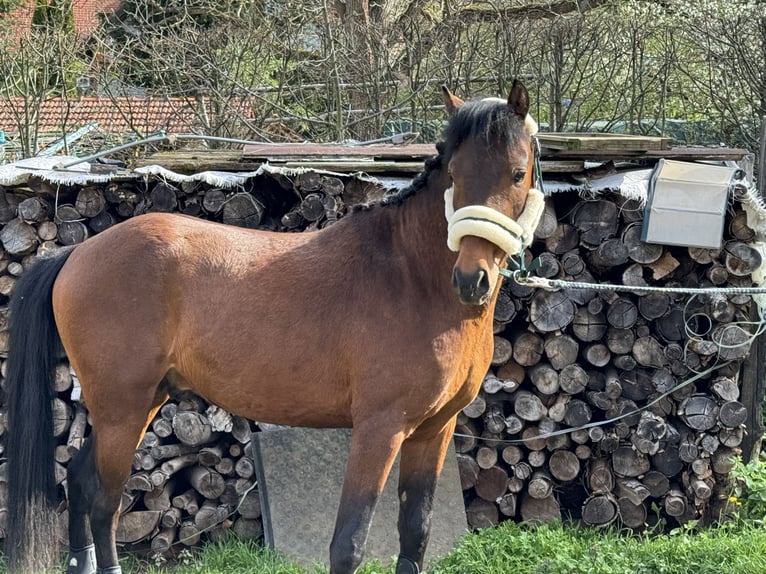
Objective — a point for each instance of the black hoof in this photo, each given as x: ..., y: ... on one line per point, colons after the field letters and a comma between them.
x: 406, y: 566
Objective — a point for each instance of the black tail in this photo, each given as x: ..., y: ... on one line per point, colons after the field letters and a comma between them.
x: 34, y: 346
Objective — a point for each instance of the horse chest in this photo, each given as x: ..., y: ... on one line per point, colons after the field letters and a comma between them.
x: 467, y: 359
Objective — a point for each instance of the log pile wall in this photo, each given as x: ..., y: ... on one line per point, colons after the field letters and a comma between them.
x: 575, y: 358
x: 563, y: 359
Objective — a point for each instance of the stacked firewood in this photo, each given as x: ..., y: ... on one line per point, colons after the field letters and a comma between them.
x: 193, y: 475
x: 544, y: 439
x: 586, y: 412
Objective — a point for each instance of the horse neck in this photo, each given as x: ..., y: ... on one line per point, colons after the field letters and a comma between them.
x: 419, y: 231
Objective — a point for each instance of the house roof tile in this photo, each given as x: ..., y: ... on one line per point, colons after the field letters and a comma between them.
x: 118, y: 115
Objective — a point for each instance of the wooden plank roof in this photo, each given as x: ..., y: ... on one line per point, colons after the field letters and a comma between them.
x: 596, y: 148
x: 283, y: 152
x: 390, y: 159
x: 602, y: 141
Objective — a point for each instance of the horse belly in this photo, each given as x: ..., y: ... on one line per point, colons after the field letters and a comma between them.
x: 273, y: 390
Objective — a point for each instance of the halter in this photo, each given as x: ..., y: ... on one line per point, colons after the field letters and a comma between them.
x: 482, y: 221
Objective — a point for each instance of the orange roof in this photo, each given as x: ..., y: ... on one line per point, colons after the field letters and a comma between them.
x: 120, y: 115
x: 85, y: 14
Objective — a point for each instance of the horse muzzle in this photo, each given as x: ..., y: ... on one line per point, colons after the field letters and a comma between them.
x: 479, y: 221
x: 472, y: 288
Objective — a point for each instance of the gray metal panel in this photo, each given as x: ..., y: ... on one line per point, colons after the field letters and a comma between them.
x: 300, y: 474
x: 687, y: 204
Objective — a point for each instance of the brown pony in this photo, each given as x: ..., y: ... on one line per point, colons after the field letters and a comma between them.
x: 372, y: 323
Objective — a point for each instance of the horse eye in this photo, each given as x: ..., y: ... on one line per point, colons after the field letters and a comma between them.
x: 519, y: 176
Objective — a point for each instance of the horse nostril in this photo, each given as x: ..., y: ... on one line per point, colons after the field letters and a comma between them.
x: 482, y: 285
x: 472, y: 288
x: 456, y: 279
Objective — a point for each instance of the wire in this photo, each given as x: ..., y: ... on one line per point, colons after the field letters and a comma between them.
x: 560, y: 432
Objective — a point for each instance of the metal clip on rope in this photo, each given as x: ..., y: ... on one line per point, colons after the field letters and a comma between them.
x: 527, y: 280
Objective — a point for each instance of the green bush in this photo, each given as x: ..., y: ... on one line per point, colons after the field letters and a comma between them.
x: 749, y: 490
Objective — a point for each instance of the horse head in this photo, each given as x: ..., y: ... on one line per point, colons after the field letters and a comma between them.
x: 491, y: 206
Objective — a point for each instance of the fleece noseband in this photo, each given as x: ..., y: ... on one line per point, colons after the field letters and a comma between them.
x: 481, y: 221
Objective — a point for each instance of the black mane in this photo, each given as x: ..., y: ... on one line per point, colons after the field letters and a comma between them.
x: 490, y: 120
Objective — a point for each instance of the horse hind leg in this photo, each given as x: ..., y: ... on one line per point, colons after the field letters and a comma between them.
x: 93, y: 511
x: 82, y: 484
x: 96, y: 477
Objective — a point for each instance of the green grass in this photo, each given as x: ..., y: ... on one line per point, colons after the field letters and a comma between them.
x: 569, y: 550
x: 520, y: 549
x: 553, y: 549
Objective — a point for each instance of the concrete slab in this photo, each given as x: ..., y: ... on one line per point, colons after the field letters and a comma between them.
x: 300, y: 473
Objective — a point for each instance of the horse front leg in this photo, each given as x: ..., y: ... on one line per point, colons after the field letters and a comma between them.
x: 421, y: 463
x: 374, y: 446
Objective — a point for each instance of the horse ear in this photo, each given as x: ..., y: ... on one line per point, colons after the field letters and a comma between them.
x: 518, y: 100
x: 451, y: 101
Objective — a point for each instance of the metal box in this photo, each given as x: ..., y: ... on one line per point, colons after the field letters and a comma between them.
x: 686, y: 204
